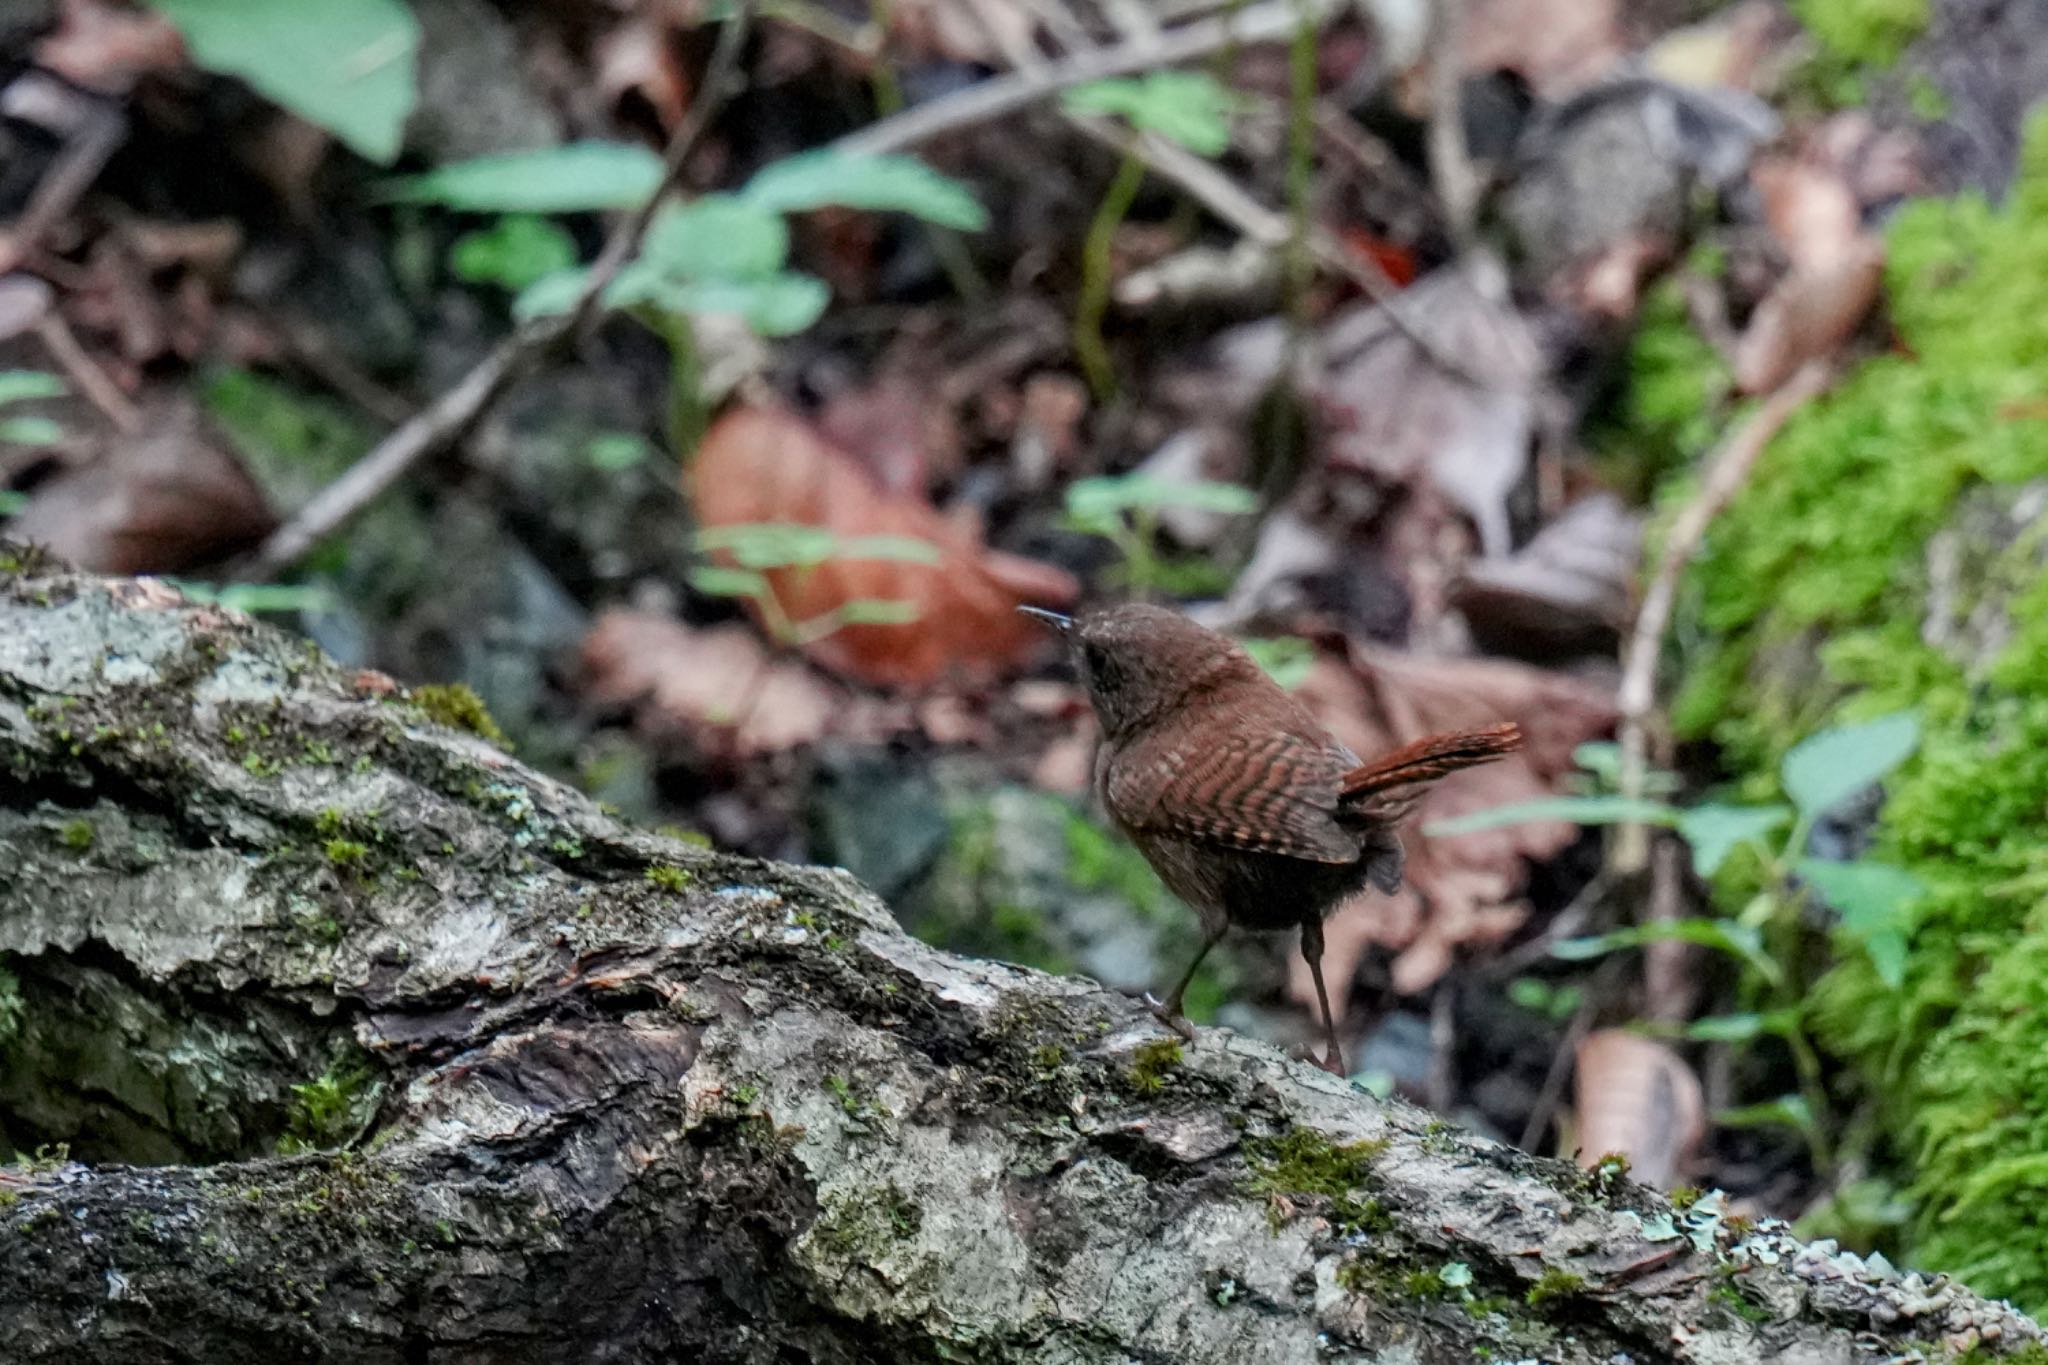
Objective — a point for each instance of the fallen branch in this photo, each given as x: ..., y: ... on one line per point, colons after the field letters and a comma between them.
x: 448, y: 416
x: 1727, y: 470
x: 564, y: 1091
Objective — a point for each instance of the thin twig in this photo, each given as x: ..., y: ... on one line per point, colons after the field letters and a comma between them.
x: 1727, y: 470
x: 1000, y: 95
x: 1222, y: 196
x: 449, y: 415
x: 1450, y: 160
x: 92, y: 381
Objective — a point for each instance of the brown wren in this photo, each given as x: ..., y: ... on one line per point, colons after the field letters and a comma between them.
x: 1249, y: 810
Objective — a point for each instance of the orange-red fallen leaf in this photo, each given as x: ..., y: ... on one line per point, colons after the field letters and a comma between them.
x: 1462, y: 890
x: 1639, y: 1098
x: 720, y: 686
x: 759, y: 465
x: 1391, y: 257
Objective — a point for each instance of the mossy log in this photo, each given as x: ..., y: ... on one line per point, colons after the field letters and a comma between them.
x: 369, y: 1044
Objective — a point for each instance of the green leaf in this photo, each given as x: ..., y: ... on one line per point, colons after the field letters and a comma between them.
x: 1789, y: 1110
x: 1540, y: 997
x: 1737, y: 1028
x: 616, y: 450
x: 1827, y: 769
x: 11, y: 501
x: 1872, y: 899
x: 877, y: 611
x: 347, y: 65
x: 18, y: 386
x: 771, y: 544
x: 1188, y: 107
x: 888, y: 183
x: 1741, y: 940
x: 1581, y: 810
x: 779, y: 306
x: 30, y: 431
x: 717, y: 581
x: 576, y: 178
x: 901, y: 549
x: 1093, y: 500
x: 1287, y: 659
x: 717, y: 237
x: 1714, y: 831
x: 551, y: 294
x: 515, y: 252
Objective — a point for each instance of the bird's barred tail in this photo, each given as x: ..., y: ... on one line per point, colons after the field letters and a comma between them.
x: 1428, y: 759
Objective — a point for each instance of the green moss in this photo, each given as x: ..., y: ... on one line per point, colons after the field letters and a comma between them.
x: 1867, y: 32
x: 12, y: 1007
x: 77, y: 835
x: 346, y: 852
x: 1729, y: 1295
x: 1303, y: 1163
x: 1153, y: 1063
x: 669, y: 878
x: 1553, y: 1286
x: 331, y: 1109
x: 1810, y: 604
x: 457, y: 706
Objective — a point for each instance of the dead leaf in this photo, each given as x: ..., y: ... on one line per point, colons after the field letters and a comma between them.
x: 1558, y: 46
x: 1638, y: 1097
x: 166, y: 500
x: 1397, y: 414
x: 719, y: 686
x: 760, y: 465
x: 981, y: 32
x: 1463, y: 890
x: 896, y: 434
x: 636, y: 58
x: 108, y: 48
x: 1573, y: 582
x: 1836, y: 270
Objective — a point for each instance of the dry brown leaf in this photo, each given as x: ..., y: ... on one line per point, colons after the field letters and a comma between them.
x: 1808, y: 315
x: 1836, y: 270
x: 983, y: 32
x: 1558, y: 46
x: 107, y: 47
x: 1461, y: 890
x: 719, y: 686
x: 759, y: 465
x: 1639, y: 1098
x: 1396, y: 414
x: 1572, y: 583
x: 168, y: 499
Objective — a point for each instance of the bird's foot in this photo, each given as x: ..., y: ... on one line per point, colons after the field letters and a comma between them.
x: 1172, y: 1018
x: 1332, y: 1061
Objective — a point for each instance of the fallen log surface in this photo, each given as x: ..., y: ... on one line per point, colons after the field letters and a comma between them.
x: 368, y: 1044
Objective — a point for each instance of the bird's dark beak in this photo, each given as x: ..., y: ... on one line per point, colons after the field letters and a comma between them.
x: 1060, y: 623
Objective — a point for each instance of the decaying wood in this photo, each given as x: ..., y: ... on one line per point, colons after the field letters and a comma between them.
x: 589, y: 1094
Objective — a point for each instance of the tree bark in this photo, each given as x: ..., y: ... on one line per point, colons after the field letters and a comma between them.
x: 371, y: 1045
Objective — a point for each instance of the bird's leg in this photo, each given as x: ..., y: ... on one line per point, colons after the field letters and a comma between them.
x: 1312, y: 953
x: 1171, y: 1013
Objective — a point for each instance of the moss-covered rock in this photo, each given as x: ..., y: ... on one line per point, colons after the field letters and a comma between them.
x: 1888, y: 553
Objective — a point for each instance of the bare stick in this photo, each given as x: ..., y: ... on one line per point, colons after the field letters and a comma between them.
x: 1727, y: 470
x: 1450, y: 161
x: 449, y: 415
x: 993, y: 98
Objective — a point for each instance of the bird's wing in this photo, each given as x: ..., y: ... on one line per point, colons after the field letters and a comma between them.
x: 1268, y: 791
